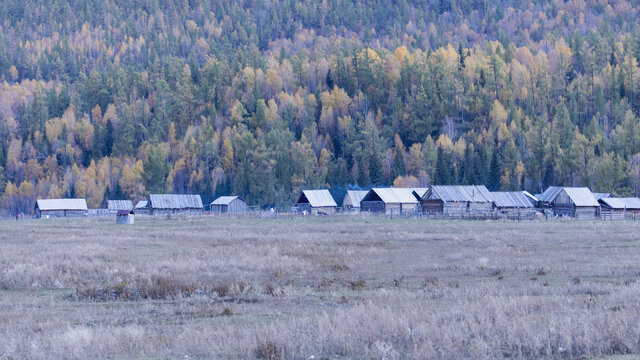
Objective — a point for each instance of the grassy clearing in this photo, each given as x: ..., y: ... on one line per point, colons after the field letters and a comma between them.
x: 322, y: 287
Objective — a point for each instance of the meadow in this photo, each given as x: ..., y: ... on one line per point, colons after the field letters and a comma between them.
x: 319, y: 287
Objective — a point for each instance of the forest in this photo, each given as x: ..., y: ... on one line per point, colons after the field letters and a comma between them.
x: 262, y: 98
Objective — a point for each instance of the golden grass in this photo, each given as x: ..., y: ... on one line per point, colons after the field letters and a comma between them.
x: 321, y: 287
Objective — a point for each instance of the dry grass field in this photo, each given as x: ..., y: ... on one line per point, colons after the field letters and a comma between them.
x: 319, y: 288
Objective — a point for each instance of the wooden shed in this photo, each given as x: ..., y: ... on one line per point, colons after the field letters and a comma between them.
x: 316, y: 202
x: 620, y: 208
x: 229, y: 205
x: 352, y: 198
x: 390, y: 201
x: 117, y: 205
x: 175, y: 204
x: 125, y: 217
x: 575, y: 202
x: 514, y: 203
x: 47, y: 208
x: 457, y: 200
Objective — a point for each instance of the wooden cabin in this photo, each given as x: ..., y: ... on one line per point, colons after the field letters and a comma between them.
x: 352, y: 199
x: 50, y: 208
x: 457, y: 200
x: 390, y: 201
x: 125, y: 217
x: 620, y: 208
x: 229, y: 205
x: 175, y: 204
x: 514, y: 203
x: 316, y: 202
x: 575, y: 202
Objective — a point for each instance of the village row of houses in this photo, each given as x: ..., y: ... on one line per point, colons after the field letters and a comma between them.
x: 447, y: 200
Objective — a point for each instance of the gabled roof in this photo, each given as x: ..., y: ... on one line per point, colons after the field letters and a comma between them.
x: 580, y: 196
x: 511, y: 199
x: 225, y: 200
x: 550, y: 194
x: 458, y: 193
x: 317, y: 198
x: 393, y: 195
x: 599, y: 196
x: 119, y: 204
x: 622, y: 203
x: 531, y: 197
x: 175, y: 201
x: 354, y: 196
x: 141, y: 204
x: 419, y: 192
x: 61, y: 204
x: 124, y: 212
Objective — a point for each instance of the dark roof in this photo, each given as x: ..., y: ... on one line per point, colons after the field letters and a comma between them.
x: 124, y: 212
x: 175, y: 201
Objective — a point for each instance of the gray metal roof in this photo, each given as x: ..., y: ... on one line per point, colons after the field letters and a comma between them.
x: 175, y: 201
x: 622, y: 203
x: 458, y: 193
x: 61, y: 204
x: 318, y: 198
x: 511, y: 199
x: 580, y: 196
x: 550, y: 194
x: 394, y: 195
x: 354, y: 196
x: 119, y: 204
x: 141, y: 204
x: 225, y: 200
x: 599, y: 196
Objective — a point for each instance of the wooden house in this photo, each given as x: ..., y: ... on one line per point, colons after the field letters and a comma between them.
x: 229, y: 205
x: 125, y: 217
x: 575, y: 202
x: 117, y: 205
x: 175, y: 204
x: 351, y: 201
x: 620, y: 208
x: 390, y: 201
x: 457, y: 200
x: 316, y: 202
x: 48, y: 208
x: 513, y: 203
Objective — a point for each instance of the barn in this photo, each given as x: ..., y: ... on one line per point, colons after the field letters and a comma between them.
x: 316, y: 202
x: 351, y: 201
x: 175, y: 204
x: 390, y: 201
x: 575, y: 202
x: 229, y: 205
x: 125, y: 217
x: 620, y: 208
x: 514, y: 203
x: 117, y: 205
x: 457, y: 200
x: 46, y: 208
x: 141, y: 207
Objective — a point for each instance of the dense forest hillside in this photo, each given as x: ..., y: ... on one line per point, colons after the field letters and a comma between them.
x: 116, y: 99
